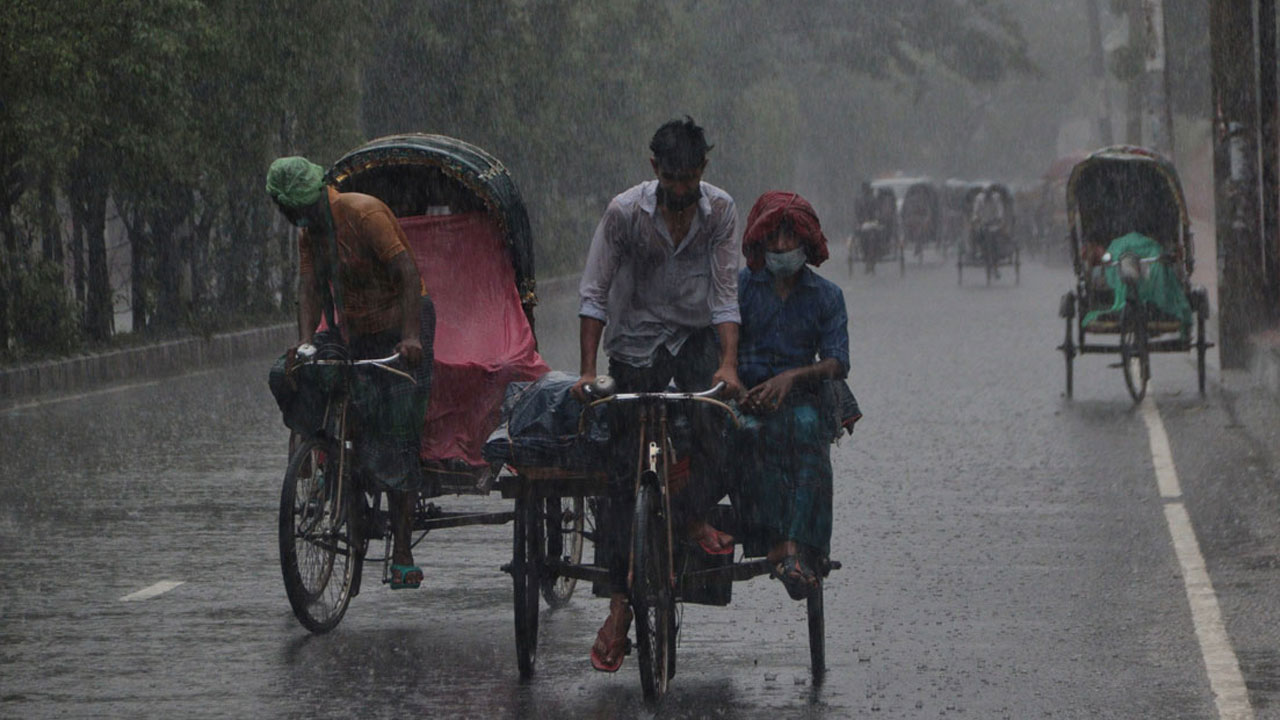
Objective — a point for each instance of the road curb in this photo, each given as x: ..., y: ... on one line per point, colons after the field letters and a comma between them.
x: 1264, y: 360
x: 169, y: 358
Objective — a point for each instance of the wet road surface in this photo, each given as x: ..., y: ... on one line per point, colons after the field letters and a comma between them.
x: 1006, y: 552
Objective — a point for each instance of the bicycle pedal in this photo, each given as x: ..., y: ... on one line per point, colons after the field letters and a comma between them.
x: 506, y: 568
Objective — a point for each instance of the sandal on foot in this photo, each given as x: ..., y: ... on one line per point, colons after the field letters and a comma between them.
x: 721, y: 548
x: 405, y: 577
x: 796, y: 578
x: 614, y: 650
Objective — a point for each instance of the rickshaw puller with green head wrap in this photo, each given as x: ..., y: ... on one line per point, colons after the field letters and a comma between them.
x: 354, y: 257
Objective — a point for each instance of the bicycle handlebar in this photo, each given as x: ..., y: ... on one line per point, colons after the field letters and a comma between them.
x: 704, y: 396
x: 306, y: 356
x: 608, y: 396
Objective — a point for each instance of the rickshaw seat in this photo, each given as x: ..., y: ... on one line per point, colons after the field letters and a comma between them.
x: 483, y: 340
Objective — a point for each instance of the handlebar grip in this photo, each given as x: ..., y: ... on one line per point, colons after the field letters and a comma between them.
x: 603, y: 386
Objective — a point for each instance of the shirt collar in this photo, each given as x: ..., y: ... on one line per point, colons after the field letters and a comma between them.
x: 649, y: 198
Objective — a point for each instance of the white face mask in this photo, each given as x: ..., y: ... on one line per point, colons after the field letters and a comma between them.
x: 784, y: 264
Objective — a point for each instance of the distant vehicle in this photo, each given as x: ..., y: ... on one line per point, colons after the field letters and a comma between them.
x: 1051, y: 209
x: 1130, y: 243
x: 918, y: 212
x: 990, y: 243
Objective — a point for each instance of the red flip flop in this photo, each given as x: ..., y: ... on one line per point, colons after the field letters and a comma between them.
x: 711, y: 550
x: 621, y: 646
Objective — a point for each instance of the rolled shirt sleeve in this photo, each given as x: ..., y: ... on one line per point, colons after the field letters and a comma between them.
x: 602, y: 264
x: 726, y: 259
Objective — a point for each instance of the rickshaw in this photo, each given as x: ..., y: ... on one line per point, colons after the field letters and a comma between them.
x: 459, y: 208
x: 1051, y: 210
x: 470, y: 235
x: 877, y: 238
x: 917, y: 216
x: 1133, y: 256
x: 990, y: 244
x: 954, y: 193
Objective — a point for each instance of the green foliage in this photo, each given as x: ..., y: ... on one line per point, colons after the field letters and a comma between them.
x: 173, y: 109
x: 45, y: 317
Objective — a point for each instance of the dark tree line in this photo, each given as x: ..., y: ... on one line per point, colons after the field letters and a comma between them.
x: 153, y: 121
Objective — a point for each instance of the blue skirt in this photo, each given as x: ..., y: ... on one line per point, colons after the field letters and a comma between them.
x: 785, y: 473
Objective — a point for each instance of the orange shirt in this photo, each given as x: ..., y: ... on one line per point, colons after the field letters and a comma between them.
x: 368, y: 238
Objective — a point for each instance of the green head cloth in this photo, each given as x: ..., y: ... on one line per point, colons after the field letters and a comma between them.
x: 295, y: 182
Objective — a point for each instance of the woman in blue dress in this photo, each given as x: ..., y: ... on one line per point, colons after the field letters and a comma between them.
x: 794, y: 336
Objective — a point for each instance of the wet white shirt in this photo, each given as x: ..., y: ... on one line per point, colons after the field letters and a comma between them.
x: 650, y: 292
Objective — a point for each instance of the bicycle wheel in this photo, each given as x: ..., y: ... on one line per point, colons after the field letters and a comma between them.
x: 319, y: 546
x: 564, y: 521
x: 817, y: 634
x: 1134, y: 358
x: 526, y: 561
x: 652, y: 597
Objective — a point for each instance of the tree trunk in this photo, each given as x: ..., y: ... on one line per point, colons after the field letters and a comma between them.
x: 140, y: 275
x: 99, y: 312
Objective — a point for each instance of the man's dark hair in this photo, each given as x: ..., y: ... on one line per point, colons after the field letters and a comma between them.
x: 679, y: 145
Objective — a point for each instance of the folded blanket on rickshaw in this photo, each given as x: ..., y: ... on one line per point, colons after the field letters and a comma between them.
x: 1161, y: 286
x: 540, y: 427
x: 483, y: 340
x: 540, y: 424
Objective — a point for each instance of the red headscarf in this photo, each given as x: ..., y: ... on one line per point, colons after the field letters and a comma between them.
x: 769, y: 212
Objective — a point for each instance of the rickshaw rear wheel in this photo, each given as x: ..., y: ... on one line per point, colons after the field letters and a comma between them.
x: 1017, y: 266
x: 320, y: 548
x: 817, y: 634
x: 652, y: 595
x: 526, y: 559
x: 1135, y: 359
x: 564, y: 521
x: 1201, y: 305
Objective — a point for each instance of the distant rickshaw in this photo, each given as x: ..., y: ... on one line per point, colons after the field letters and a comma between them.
x: 918, y: 213
x: 954, y: 194
x: 1051, y: 211
x: 1133, y: 257
x: 876, y: 238
x: 990, y: 243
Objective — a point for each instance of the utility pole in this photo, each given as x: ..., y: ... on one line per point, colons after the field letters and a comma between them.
x: 1235, y: 165
x: 1269, y: 128
x: 1098, y: 66
x: 1157, y: 118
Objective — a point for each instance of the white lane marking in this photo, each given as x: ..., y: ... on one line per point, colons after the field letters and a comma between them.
x: 1161, y: 457
x: 159, y: 588
x: 1225, y: 679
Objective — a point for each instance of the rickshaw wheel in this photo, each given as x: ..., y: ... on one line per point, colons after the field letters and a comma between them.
x: 1069, y: 352
x: 902, y: 260
x: 1202, y: 346
x: 564, y: 522
x: 320, y: 549
x: 1017, y: 266
x: 526, y: 559
x: 1134, y: 359
x: 959, y: 267
x: 652, y: 595
x: 817, y: 634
